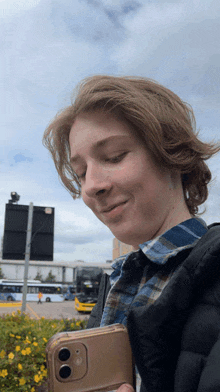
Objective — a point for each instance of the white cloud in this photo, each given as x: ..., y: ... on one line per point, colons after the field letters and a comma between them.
x: 171, y: 42
x: 97, y: 252
x: 14, y: 7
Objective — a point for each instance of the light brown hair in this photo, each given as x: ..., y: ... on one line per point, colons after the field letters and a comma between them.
x: 158, y: 116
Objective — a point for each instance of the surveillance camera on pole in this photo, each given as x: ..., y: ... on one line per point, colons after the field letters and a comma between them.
x: 14, y: 198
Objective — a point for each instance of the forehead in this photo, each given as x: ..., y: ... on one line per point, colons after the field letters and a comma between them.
x: 99, y: 128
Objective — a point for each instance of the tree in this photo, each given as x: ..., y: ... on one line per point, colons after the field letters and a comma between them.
x: 50, y: 277
x: 2, y: 276
x: 38, y: 276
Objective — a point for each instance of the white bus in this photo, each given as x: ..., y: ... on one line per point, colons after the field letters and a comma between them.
x: 11, y: 290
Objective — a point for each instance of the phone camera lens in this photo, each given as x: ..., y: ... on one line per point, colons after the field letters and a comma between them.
x: 64, y: 354
x: 65, y: 371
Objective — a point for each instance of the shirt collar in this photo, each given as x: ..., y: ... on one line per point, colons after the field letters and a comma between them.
x: 183, y: 236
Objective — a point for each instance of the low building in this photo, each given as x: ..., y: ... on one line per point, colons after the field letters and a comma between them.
x: 63, y: 272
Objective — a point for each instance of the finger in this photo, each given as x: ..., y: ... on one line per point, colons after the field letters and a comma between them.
x: 125, y: 388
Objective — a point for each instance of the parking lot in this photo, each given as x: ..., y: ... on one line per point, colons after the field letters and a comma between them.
x: 56, y: 310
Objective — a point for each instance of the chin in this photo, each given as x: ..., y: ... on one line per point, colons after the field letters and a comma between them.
x: 131, y: 240
x: 126, y: 239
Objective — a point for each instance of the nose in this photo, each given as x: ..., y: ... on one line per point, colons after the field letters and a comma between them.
x: 97, y: 181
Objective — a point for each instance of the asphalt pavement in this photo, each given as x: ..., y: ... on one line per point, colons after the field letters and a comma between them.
x: 54, y: 310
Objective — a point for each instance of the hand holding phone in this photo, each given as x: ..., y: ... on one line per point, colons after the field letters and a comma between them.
x: 90, y: 360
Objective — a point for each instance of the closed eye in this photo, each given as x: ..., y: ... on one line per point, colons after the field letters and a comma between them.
x: 81, y: 176
x: 117, y: 158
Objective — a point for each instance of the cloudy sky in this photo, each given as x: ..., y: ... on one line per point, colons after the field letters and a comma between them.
x: 48, y: 46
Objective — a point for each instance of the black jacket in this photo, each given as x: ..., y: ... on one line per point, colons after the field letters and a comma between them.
x: 176, y: 340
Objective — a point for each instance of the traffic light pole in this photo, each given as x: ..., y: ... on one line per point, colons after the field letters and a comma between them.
x: 27, y: 255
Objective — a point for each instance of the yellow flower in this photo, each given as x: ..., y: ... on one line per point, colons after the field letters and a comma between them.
x: 42, y: 318
x: 27, y: 341
x: 37, y: 378
x: 12, y: 335
x: 18, y: 337
x: 35, y: 344
x: 23, y: 352
x: 42, y: 368
x: 2, y: 354
x: 11, y: 356
x: 22, y: 381
x: 4, y: 373
x: 72, y: 325
x: 78, y: 323
x: 28, y: 350
x: 13, y: 313
x: 20, y: 366
x: 32, y: 389
x: 45, y: 340
x: 18, y: 312
x: 17, y: 348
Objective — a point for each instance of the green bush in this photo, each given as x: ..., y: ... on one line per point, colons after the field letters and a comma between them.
x: 22, y: 349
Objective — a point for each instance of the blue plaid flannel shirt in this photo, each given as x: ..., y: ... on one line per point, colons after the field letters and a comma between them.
x: 130, y: 282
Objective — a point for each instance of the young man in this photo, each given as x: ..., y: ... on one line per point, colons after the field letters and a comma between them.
x: 128, y: 146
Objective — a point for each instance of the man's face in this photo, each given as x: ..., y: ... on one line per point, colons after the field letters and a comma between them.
x: 119, y: 180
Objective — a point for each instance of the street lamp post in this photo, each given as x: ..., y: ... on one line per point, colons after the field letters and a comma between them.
x: 27, y: 255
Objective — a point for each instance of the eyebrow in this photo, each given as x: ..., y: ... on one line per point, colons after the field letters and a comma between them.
x: 98, y: 145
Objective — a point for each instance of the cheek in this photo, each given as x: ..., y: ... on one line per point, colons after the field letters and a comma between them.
x: 85, y: 198
x: 89, y: 202
x: 153, y: 192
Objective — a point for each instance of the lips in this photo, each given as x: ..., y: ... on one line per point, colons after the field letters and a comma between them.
x: 111, y: 207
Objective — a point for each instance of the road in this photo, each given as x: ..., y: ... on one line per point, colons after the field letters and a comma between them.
x: 56, y: 310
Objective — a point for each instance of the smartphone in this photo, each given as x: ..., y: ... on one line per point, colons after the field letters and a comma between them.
x: 98, y: 359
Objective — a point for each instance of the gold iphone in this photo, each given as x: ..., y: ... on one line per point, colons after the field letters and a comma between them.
x: 98, y: 359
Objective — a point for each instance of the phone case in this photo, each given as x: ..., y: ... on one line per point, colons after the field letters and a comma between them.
x: 90, y: 360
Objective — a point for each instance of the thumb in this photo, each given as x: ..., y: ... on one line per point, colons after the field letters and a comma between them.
x: 125, y: 388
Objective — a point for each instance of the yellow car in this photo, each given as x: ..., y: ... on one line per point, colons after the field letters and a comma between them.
x: 84, y: 303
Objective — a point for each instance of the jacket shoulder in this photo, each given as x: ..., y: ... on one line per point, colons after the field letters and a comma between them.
x: 160, y: 332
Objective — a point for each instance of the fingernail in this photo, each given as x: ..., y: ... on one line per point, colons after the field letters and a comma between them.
x: 128, y: 387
